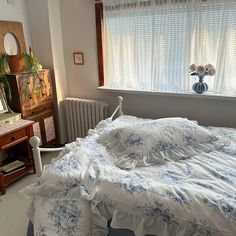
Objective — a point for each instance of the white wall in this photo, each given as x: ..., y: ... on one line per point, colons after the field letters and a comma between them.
x: 79, y: 34
x: 16, y: 10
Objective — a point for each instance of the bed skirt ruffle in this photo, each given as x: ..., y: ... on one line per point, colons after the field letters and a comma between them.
x: 112, y: 232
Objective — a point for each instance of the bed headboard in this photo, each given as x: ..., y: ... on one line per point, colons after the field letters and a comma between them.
x: 118, y: 111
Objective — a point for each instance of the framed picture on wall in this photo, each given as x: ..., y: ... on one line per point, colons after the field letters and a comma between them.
x: 78, y: 58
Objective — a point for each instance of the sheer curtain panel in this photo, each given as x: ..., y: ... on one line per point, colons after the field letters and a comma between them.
x: 149, y: 44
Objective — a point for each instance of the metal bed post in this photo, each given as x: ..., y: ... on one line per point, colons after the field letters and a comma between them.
x: 35, y: 141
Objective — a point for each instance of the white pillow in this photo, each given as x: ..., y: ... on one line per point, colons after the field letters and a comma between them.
x: 157, y: 141
x: 109, y: 124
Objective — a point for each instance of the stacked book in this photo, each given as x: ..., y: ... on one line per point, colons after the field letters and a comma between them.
x: 12, y: 166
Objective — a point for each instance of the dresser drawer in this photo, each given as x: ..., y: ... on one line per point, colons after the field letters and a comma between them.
x: 42, y: 108
x: 12, y: 138
x: 29, y: 111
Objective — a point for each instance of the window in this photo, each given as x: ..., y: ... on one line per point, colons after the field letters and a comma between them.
x: 148, y: 45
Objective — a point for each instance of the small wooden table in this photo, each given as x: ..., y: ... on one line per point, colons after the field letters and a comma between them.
x: 14, y: 145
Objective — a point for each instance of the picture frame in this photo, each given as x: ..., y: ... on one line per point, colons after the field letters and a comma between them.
x: 3, y: 103
x: 78, y: 58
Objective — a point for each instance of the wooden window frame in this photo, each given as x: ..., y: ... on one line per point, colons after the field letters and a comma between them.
x: 100, y: 40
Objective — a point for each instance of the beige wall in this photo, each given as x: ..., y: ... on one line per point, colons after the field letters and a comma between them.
x: 79, y: 34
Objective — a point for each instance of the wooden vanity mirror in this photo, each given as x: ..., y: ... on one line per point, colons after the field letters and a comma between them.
x: 10, y: 30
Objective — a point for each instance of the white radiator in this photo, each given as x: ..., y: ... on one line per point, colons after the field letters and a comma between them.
x: 82, y: 115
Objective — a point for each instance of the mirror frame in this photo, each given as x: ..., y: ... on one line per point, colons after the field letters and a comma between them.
x: 16, y: 29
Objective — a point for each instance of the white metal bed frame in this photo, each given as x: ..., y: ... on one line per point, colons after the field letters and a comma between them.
x: 35, y: 141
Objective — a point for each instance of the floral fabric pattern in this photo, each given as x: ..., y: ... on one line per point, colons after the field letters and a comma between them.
x: 157, y: 141
x: 83, y: 188
x: 65, y: 215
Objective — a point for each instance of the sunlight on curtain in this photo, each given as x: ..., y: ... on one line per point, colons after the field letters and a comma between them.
x: 149, y: 44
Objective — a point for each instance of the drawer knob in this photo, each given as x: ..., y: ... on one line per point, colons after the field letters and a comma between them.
x: 13, y: 138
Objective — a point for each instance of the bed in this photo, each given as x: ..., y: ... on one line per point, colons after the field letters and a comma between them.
x: 134, y: 176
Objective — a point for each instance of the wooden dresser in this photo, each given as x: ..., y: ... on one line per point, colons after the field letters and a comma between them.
x: 33, y: 98
x: 15, y: 147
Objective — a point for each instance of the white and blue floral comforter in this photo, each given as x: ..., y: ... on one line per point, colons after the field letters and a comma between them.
x: 83, y: 188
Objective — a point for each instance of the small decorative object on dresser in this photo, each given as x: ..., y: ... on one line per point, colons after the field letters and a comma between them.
x: 16, y: 158
x: 201, y: 71
x: 33, y: 98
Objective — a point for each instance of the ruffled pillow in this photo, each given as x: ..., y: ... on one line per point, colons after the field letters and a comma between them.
x: 157, y: 141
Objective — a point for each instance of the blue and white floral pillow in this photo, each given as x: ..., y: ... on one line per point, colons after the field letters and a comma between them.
x: 157, y: 141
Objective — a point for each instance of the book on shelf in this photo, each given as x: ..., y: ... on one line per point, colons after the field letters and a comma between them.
x: 12, y: 166
x: 14, y: 171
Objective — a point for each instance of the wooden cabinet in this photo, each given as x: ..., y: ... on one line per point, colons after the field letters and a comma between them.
x: 15, y: 147
x: 44, y: 127
x: 33, y: 98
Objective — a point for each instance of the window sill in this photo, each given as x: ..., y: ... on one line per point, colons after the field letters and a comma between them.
x: 206, y: 95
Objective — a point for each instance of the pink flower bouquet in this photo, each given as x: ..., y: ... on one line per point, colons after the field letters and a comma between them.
x: 201, y: 70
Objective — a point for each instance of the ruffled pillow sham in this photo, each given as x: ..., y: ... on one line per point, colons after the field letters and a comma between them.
x: 156, y: 141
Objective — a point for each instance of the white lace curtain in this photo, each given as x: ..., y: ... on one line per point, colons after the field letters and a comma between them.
x: 149, y: 44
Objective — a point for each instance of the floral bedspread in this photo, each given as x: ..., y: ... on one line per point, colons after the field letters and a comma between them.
x: 83, y: 188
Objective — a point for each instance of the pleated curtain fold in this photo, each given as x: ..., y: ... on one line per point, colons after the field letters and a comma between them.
x: 149, y: 45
